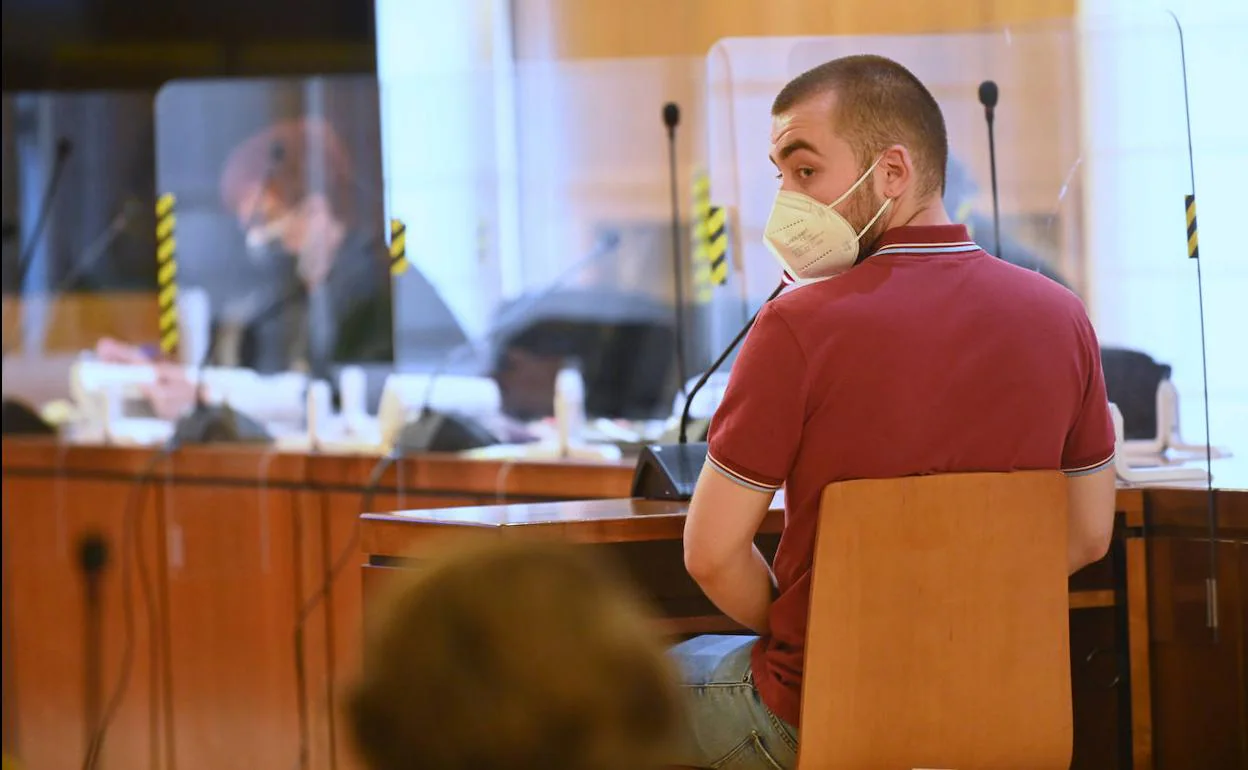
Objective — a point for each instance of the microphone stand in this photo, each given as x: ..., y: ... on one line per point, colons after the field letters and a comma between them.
x: 988, y: 95
x: 671, y: 118
x: 670, y: 471
x: 64, y: 148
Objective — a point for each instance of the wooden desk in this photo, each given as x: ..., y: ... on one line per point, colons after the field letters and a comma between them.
x: 233, y: 542
x: 1133, y: 691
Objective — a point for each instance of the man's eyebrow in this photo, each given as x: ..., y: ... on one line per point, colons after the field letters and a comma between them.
x: 794, y: 146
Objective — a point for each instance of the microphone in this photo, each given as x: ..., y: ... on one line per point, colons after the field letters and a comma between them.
x: 670, y: 471
x: 988, y: 94
x: 64, y: 148
x: 92, y: 560
x: 99, y: 245
x: 671, y: 119
x: 20, y: 419
x: 130, y: 210
x: 220, y: 423
x: 434, y: 431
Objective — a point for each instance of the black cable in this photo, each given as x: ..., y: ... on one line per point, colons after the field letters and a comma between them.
x: 130, y: 544
x: 26, y: 257
x: 331, y: 576
x: 1211, y: 582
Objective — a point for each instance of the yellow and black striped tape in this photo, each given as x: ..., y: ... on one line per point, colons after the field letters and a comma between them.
x: 701, y: 253
x: 167, y: 271
x: 1193, y: 248
x: 717, y: 244
x: 710, y: 235
x: 398, y: 247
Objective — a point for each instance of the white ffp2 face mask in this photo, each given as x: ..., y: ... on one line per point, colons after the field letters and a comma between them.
x: 813, y: 241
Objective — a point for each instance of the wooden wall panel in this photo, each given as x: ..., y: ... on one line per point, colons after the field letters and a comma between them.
x: 575, y: 29
x: 44, y: 522
x: 231, y: 608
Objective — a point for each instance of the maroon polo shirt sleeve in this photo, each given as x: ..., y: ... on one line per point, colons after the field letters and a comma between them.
x: 757, y: 428
x: 1090, y: 441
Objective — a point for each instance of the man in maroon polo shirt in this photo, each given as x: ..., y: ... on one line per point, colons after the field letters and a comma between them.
x: 904, y: 349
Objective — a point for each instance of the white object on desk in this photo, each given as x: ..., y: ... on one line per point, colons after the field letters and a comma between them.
x: 1149, y: 475
x: 195, y: 319
x: 100, y: 391
x: 1168, y: 438
x: 569, y: 408
x: 353, y: 395
x: 320, y: 411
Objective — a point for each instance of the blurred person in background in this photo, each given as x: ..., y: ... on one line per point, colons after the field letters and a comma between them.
x: 517, y: 656
x: 318, y: 289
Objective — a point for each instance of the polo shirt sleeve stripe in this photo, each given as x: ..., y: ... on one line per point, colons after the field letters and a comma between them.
x: 1089, y: 469
x: 743, y: 480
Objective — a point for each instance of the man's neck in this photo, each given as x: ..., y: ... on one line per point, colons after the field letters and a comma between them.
x: 927, y: 213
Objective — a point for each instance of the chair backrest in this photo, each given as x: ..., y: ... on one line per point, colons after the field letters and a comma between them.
x: 938, y: 634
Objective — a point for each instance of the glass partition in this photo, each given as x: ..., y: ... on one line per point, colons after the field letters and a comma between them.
x: 272, y: 220
x: 541, y: 207
x: 78, y: 230
x: 1093, y: 173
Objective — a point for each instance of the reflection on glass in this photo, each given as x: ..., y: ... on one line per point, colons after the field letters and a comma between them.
x: 281, y: 224
x: 77, y: 229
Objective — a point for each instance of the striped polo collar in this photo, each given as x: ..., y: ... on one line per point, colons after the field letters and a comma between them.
x: 930, y: 239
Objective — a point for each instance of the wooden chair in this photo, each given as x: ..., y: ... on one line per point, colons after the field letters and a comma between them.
x: 938, y: 634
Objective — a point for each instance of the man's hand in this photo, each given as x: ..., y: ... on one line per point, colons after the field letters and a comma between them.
x: 720, y: 555
x: 113, y: 351
x: 173, y: 394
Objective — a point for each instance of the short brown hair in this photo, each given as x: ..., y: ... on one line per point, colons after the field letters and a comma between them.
x: 279, y: 155
x: 520, y: 656
x: 878, y: 103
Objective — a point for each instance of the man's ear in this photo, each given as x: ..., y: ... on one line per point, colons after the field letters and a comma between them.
x: 898, y: 169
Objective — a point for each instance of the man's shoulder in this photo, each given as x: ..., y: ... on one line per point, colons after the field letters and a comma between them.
x: 1025, y: 285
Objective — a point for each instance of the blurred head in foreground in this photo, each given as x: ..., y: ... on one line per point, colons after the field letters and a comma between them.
x: 519, y: 656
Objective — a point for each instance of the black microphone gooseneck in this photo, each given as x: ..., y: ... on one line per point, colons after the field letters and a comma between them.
x: 99, y: 245
x: 714, y: 367
x: 606, y: 246
x: 92, y: 560
x: 988, y: 95
x: 671, y: 119
x: 670, y: 471
x: 64, y: 148
x: 20, y: 418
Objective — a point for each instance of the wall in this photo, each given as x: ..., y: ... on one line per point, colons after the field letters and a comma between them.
x: 580, y: 29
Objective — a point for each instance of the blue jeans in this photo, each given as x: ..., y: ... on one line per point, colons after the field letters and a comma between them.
x: 727, y: 724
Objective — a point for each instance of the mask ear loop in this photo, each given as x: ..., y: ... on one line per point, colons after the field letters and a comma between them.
x: 857, y: 184
x: 888, y: 202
